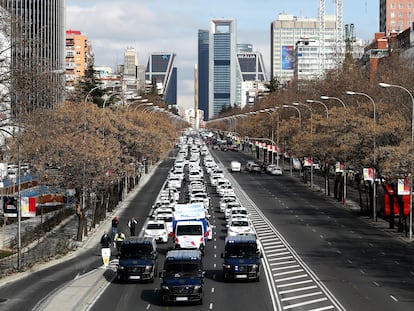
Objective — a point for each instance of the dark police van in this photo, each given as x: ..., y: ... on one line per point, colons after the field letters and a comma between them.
x: 137, y: 259
x: 241, y: 258
x: 182, y: 277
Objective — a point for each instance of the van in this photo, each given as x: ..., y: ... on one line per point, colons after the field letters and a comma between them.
x: 235, y: 166
x: 182, y: 277
x: 241, y: 258
x: 138, y: 259
x: 190, y: 234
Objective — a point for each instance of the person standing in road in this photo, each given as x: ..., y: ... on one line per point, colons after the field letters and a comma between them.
x: 106, y: 248
x: 131, y: 225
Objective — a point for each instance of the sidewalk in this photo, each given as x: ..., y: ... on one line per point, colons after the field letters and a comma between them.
x: 68, y: 230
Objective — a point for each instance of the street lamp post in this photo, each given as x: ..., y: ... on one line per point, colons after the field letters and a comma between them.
x: 300, y: 126
x: 310, y: 110
x: 412, y: 145
x: 270, y: 111
x: 343, y: 105
x: 374, y: 190
x: 311, y: 101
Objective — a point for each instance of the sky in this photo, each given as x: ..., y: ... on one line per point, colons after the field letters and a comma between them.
x: 172, y: 26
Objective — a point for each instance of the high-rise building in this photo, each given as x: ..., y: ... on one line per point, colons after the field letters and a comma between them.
x: 78, y: 56
x: 395, y: 16
x: 223, y: 74
x: 161, y: 75
x: 286, y: 31
x: 37, y: 31
x: 130, y: 62
x: 252, y: 72
x: 203, y: 71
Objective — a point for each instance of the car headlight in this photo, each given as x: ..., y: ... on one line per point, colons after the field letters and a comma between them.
x: 148, y: 268
x: 226, y: 266
x: 121, y: 267
x: 197, y: 287
x: 254, y: 267
x: 164, y: 287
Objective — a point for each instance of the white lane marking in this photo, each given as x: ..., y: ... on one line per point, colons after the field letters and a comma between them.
x: 212, y: 290
x: 148, y: 306
x: 210, y: 306
x: 292, y: 278
x: 287, y: 272
x: 294, y: 283
x: 393, y: 298
x: 305, y: 303
x: 302, y: 296
x: 286, y: 267
x: 297, y: 289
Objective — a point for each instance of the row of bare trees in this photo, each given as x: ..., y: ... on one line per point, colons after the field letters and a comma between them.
x: 347, y: 128
x: 90, y: 149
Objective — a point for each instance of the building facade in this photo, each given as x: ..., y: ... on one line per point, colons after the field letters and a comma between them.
x: 130, y: 62
x: 223, y: 66
x: 161, y: 75
x: 203, y: 71
x: 285, y: 32
x: 253, y: 74
x: 395, y: 16
x: 37, y: 32
x: 78, y: 56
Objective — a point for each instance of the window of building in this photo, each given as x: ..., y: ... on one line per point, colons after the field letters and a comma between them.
x: 400, y: 15
x: 409, y: 6
x: 392, y: 14
x: 400, y: 5
x: 392, y: 5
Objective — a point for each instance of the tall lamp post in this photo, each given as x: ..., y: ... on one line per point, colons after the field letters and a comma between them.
x: 374, y: 203
x: 300, y: 126
x: 324, y: 97
x: 311, y: 101
x: 270, y: 111
x: 412, y: 145
x: 311, y: 117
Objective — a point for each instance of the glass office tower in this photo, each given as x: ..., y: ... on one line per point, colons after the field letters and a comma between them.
x: 37, y: 49
x: 223, y: 66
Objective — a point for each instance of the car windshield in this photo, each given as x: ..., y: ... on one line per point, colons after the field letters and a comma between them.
x: 189, y: 230
x: 136, y: 251
x: 180, y: 269
x: 239, y: 223
x: 241, y: 250
x: 155, y: 226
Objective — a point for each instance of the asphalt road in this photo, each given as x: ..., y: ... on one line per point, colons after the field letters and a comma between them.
x: 364, y: 268
x: 26, y: 293
x: 332, y: 253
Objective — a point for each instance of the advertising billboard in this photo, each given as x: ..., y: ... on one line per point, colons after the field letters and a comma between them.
x: 288, y: 57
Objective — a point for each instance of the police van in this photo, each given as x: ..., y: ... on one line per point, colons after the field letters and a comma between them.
x: 182, y: 277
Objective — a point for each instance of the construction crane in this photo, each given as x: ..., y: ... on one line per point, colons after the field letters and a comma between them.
x: 349, y: 38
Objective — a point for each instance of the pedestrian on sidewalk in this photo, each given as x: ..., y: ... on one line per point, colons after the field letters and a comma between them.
x: 115, y: 222
x: 131, y: 225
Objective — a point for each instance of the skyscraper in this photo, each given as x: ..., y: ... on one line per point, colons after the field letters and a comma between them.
x: 395, y: 16
x: 37, y: 32
x: 222, y: 66
x: 130, y: 62
x: 162, y: 75
x: 203, y: 71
